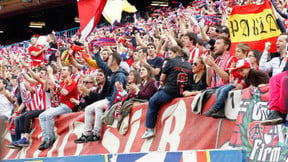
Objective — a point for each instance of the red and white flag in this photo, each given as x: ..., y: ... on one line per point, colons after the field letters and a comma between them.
x: 90, y: 12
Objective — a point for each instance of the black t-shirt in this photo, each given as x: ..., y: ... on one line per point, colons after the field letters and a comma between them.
x: 200, y: 85
x: 157, y: 62
x: 52, y: 56
x: 212, y: 42
x: 179, y: 74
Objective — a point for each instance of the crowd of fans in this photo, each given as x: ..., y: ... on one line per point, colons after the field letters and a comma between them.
x: 169, y: 53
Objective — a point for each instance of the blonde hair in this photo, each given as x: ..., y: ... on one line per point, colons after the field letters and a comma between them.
x: 244, y: 47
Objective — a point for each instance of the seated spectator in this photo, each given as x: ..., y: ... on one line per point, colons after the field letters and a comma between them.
x: 148, y: 84
x: 218, y: 70
x: 147, y: 89
x: 277, y: 64
x: 117, y: 76
x: 277, y: 99
x: 254, y: 58
x: 133, y: 78
x: 6, y: 101
x: 241, y: 51
x: 251, y: 77
x: 236, y: 82
x: 198, y: 81
x: 175, y: 79
x: 67, y: 90
x: 92, y: 94
x: 41, y: 101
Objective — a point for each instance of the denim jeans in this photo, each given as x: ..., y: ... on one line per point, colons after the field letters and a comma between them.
x: 17, y: 135
x: 155, y: 103
x: 97, y: 109
x: 221, y: 96
x: 47, y: 120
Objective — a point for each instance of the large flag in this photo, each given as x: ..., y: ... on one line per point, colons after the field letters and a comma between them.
x: 90, y: 12
x: 253, y: 24
x: 113, y: 10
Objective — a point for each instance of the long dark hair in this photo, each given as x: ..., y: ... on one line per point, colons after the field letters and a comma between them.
x: 137, y: 78
x: 150, y: 74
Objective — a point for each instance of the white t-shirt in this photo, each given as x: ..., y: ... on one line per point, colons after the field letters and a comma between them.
x: 5, y: 106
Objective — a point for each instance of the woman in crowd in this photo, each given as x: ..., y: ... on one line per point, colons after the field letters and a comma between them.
x: 198, y: 81
x: 254, y: 58
x: 148, y: 84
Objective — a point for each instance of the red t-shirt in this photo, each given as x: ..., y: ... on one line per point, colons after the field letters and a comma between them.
x: 37, y: 61
x: 71, y: 87
x: 130, y: 61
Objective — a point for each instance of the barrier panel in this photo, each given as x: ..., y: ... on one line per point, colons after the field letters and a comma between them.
x: 177, y: 128
x: 187, y: 156
x: 262, y: 143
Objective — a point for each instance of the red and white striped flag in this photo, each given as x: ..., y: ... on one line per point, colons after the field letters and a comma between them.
x: 90, y: 12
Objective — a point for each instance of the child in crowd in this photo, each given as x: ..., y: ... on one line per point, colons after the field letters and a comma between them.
x: 236, y: 82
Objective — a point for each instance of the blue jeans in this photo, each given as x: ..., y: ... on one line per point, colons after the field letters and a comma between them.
x: 17, y: 135
x: 155, y: 103
x: 221, y: 96
x: 47, y: 120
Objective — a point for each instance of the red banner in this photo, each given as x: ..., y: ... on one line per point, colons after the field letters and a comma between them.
x: 253, y: 24
x: 177, y: 128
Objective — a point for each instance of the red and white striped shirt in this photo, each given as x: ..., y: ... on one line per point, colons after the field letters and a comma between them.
x: 33, y: 101
x: 194, y: 53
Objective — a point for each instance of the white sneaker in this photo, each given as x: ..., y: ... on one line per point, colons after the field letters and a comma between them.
x: 148, y: 134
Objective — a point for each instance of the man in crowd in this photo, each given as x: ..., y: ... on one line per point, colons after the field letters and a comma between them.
x: 277, y: 64
x: 189, y: 42
x: 68, y: 89
x: 92, y: 93
x: 218, y: 69
x: 116, y: 75
x: 155, y: 61
x: 36, y: 52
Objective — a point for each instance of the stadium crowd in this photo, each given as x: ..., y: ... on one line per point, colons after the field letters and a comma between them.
x: 168, y: 53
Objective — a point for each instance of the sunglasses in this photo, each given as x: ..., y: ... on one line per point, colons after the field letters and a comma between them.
x: 251, y: 56
x: 195, y: 64
x: 86, y: 82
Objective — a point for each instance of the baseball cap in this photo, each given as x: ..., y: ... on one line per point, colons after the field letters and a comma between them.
x: 241, y: 64
x: 222, y: 29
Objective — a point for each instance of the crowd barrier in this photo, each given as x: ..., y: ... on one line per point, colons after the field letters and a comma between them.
x: 185, y: 156
x: 177, y: 129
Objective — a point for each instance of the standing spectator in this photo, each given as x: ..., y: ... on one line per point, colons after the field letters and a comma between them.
x: 175, y: 78
x: 277, y: 64
x: 51, y: 39
x: 105, y: 55
x: 190, y: 41
x: 136, y: 61
x: 155, y: 61
x: 36, y: 52
x: 67, y: 90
